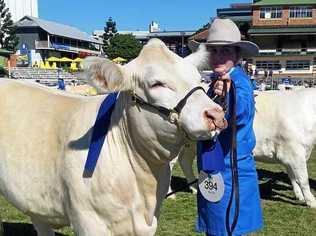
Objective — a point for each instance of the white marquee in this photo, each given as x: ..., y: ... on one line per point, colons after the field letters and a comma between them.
x: 20, y: 8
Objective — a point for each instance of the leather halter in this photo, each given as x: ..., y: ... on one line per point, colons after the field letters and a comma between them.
x: 172, y: 114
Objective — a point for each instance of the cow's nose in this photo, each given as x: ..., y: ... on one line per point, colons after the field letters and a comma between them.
x: 215, y: 118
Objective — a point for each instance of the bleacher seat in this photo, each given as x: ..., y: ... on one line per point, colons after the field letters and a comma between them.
x: 46, y: 76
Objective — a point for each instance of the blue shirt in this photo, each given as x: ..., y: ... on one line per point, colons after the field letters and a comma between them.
x: 245, y: 112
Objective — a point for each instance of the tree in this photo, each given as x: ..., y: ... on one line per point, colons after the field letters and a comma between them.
x: 109, y: 31
x: 244, y: 27
x: 8, y: 38
x: 123, y: 45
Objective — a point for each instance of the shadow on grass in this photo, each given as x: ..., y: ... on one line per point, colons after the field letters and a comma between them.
x: 178, y: 183
x: 273, y: 186
x: 19, y: 229
x: 281, y: 177
x: 273, y: 183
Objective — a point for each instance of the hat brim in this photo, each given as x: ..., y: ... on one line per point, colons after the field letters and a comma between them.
x: 247, y: 48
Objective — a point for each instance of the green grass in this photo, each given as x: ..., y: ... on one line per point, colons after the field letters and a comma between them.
x: 283, y: 215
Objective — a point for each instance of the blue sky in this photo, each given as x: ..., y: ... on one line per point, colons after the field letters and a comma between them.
x: 89, y: 15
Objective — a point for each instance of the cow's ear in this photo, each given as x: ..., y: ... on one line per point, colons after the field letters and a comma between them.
x: 104, y: 74
x: 200, y: 58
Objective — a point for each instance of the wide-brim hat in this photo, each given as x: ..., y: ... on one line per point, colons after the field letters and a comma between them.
x: 224, y: 32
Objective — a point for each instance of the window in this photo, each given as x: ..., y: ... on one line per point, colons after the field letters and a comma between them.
x: 66, y: 41
x: 301, y: 12
x: 268, y: 65
x: 297, y: 65
x: 59, y: 40
x: 270, y: 12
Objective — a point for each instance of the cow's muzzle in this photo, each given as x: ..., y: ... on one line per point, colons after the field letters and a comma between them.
x: 215, y: 119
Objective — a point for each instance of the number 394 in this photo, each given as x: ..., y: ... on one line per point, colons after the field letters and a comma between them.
x: 208, y: 184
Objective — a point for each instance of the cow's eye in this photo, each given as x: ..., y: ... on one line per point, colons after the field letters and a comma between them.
x: 157, y: 84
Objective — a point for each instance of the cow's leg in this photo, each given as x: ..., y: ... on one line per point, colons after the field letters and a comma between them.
x: 87, y: 223
x: 300, y: 174
x: 186, y: 158
x: 42, y: 229
x: 296, y: 188
x: 171, y: 164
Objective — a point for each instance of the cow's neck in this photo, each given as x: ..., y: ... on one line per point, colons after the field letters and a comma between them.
x: 147, y: 157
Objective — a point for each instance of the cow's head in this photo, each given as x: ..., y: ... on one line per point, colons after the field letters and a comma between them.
x: 160, y: 78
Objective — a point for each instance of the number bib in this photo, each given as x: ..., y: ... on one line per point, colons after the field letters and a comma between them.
x: 211, y: 186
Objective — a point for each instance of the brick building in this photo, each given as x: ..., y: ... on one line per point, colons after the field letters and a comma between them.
x: 285, y: 32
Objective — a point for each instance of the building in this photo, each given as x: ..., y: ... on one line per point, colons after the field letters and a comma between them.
x: 240, y: 13
x: 21, y: 8
x: 176, y: 41
x: 237, y: 12
x: 40, y: 39
x: 285, y: 31
x: 140, y: 35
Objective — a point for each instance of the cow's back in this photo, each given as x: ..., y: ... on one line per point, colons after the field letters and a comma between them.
x: 283, y: 118
x: 34, y: 124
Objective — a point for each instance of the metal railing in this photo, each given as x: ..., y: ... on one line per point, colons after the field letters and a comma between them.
x: 40, y: 44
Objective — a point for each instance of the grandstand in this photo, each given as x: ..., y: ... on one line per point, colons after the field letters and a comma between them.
x: 44, y: 76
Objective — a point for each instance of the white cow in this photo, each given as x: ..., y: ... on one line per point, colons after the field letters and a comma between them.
x: 45, y: 136
x: 285, y: 128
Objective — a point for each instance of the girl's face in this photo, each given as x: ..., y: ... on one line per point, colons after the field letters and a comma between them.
x: 223, y: 58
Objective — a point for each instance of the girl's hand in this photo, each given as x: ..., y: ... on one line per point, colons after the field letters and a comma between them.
x: 219, y: 85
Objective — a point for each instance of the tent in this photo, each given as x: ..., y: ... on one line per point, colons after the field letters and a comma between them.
x: 119, y: 60
x: 53, y: 59
x: 73, y: 66
x: 54, y: 66
x: 78, y: 59
x: 47, y: 65
x: 65, y: 59
x: 42, y: 65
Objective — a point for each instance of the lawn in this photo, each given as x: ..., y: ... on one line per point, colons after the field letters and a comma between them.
x: 283, y: 215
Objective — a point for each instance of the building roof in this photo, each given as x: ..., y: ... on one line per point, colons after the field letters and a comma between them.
x: 54, y: 28
x: 137, y: 33
x: 171, y: 33
x: 200, y: 36
x: 5, y: 52
x: 283, y: 2
x: 237, y: 18
x: 282, y: 30
x: 147, y: 34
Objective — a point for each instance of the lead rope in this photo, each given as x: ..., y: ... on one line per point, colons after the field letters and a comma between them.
x: 222, y: 101
x: 234, y: 167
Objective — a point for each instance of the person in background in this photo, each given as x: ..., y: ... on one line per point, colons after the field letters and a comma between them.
x: 226, y: 49
x: 265, y: 72
x: 60, y: 81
